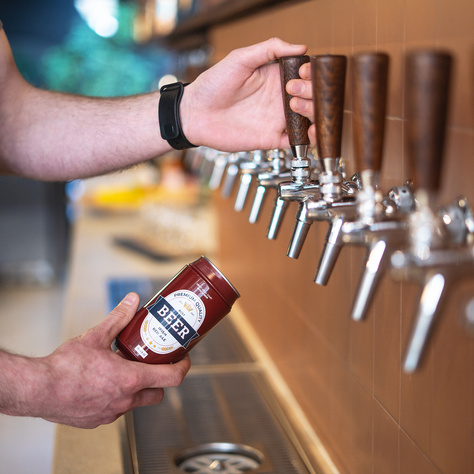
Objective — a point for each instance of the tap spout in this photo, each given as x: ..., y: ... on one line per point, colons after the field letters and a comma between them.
x: 257, y: 203
x: 369, y: 281
x: 430, y: 300
x: 279, y: 211
x: 300, y: 231
x: 332, y: 248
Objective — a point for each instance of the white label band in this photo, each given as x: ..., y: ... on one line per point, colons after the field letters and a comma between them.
x: 172, y: 322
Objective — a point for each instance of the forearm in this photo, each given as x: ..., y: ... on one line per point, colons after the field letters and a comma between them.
x: 56, y: 136
x: 22, y: 383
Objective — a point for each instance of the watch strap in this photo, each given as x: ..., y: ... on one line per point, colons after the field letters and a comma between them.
x: 168, y: 115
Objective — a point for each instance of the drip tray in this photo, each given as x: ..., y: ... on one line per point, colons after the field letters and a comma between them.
x: 199, y: 426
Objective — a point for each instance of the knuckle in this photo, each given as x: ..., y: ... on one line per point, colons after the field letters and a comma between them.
x: 132, y: 382
x: 179, y: 375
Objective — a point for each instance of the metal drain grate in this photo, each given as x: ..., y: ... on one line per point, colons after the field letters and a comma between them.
x: 212, y: 408
x: 226, y: 458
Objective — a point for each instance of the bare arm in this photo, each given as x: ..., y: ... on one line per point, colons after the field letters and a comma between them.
x: 53, y: 136
x: 83, y: 383
x: 235, y: 105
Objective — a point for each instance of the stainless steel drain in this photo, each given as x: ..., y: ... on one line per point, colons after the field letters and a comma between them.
x: 226, y: 458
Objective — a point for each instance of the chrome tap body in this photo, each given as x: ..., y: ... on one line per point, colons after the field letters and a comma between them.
x: 300, y: 167
x: 250, y: 168
x: 382, y: 234
x: 277, y: 173
x: 436, y: 261
x: 432, y: 256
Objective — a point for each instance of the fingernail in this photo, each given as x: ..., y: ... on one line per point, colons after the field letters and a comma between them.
x: 129, y: 299
x: 296, y: 87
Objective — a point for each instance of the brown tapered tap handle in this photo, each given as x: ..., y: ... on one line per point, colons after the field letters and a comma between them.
x: 297, y: 125
x: 328, y: 75
x: 369, y: 90
x: 427, y: 96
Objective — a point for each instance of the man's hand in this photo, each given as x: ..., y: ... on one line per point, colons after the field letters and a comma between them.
x: 84, y: 383
x: 237, y: 105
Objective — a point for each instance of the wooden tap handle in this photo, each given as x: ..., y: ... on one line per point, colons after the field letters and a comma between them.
x: 427, y: 96
x: 369, y: 89
x: 329, y: 75
x: 297, y: 125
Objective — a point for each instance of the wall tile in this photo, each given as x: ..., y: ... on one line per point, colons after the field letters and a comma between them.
x: 390, y: 22
x: 458, y: 166
x: 365, y: 24
x: 343, y: 14
x: 362, y: 335
x: 393, y: 172
x: 347, y: 376
x: 421, y: 21
x: 455, y: 19
x: 361, y: 432
x: 396, y: 53
x: 386, y: 449
x: 412, y: 459
x: 453, y: 379
x: 387, y: 356
x: 461, y: 106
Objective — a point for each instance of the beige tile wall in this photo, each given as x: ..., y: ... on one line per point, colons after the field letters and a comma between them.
x: 347, y: 375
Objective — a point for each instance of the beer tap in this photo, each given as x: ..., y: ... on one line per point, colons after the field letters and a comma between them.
x: 381, y: 222
x: 220, y: 164
x: 434, y: 258
x: 256, y: 163
x: 301, y: 182
x: 278, y: 172
x: 336, y: 202
x: 231, y: 173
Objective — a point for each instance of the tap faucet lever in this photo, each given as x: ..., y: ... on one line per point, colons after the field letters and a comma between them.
x: 369, y: 96
x: 297, y: 128
x: 328, y: 80
x: 329, y: 75
x: 431, y: 255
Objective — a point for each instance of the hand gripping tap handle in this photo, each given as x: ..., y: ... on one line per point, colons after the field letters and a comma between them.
x: 329, y: 76
x: 297, y: 125
x: 369, y: 98
x: 427, y: 93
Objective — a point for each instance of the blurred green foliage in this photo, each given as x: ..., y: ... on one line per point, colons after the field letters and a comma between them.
x: 89, y: 64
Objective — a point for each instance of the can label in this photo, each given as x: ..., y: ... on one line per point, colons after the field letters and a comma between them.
x: 172, y: 322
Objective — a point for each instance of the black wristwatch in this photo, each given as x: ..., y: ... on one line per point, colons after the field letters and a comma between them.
x: 168, y: 115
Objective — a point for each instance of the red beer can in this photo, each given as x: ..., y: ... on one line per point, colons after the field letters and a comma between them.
x: 179, y: 315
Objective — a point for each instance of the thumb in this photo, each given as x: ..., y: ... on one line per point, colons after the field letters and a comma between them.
x: 117, y: 319
x: 259, y: 54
